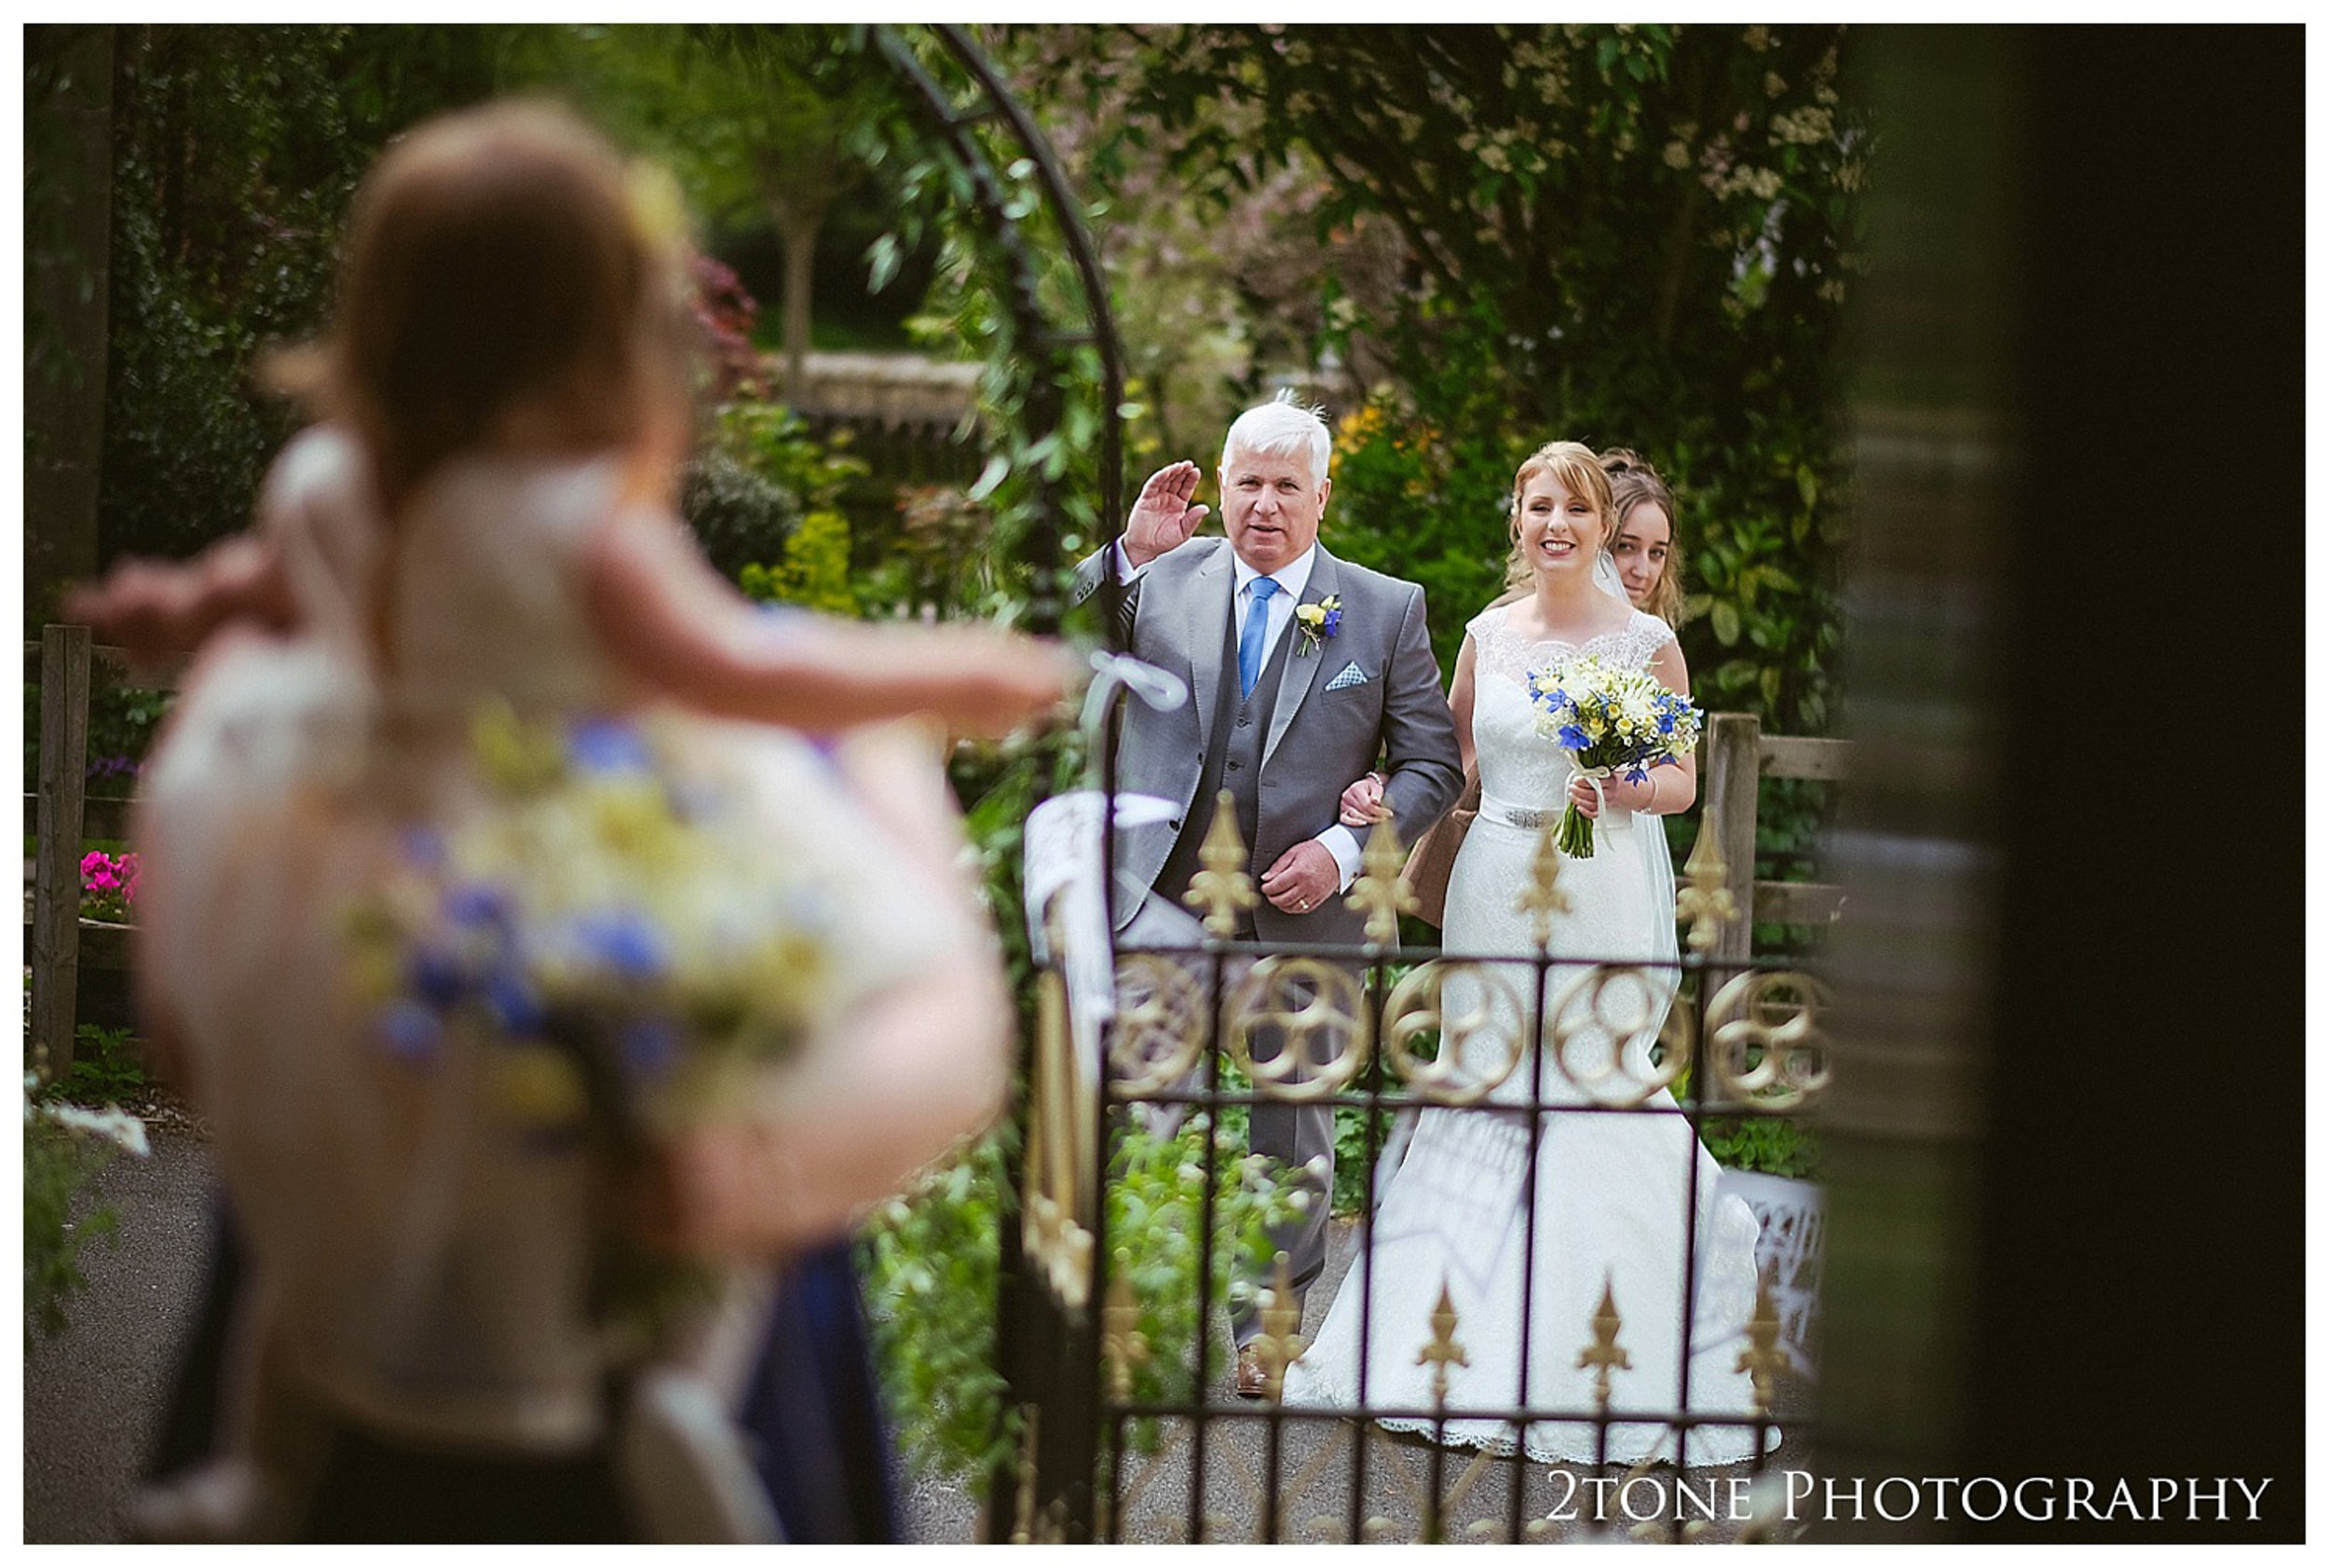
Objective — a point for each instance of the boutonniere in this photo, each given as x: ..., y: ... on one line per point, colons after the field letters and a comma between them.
x: 1318, y: 622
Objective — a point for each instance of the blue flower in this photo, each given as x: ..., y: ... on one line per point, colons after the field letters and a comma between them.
x: 625, y: 941
x: 478, y: 904
x: 411, y: 1032
x: 435, y: 978
x: 1574, y: 738
x: 649, y: 1047
x: 605, y: 745
x: 511, y: 998
x: 1317, y: 622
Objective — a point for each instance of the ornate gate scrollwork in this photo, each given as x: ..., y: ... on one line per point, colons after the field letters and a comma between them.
x: 1159, y: 1035
x: 1480, y: 1048
x: 1600, y: 1027
x: 1767, y: 1045
x: 1299, y: 1001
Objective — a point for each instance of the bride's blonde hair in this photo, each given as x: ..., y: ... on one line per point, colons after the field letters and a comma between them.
x: 1579, y: 470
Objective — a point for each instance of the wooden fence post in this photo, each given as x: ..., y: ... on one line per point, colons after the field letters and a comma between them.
x: 64, y: 674
x: 1734, y: 767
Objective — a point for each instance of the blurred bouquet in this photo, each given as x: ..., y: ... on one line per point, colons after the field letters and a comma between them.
x: 601, y: 928
x: 1611, y: 721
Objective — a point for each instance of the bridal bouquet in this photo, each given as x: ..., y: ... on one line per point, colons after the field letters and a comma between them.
x: 1611, y: 722
x: 623, y: 963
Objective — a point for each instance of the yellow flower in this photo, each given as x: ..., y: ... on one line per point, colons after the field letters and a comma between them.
x: 631, y: 818
x: 516, y: 758
x: 536, y: 1085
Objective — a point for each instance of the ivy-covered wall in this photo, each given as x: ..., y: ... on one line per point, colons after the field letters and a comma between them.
x: 235, y: 149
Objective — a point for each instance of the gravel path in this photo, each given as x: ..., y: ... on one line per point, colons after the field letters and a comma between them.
x: 94, y: 1395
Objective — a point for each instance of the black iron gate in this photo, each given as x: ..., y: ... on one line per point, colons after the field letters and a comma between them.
x: 1384, y: 1035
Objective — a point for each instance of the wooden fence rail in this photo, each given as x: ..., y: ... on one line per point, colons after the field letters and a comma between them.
x: 1738, y: 757
x: 70, y: 666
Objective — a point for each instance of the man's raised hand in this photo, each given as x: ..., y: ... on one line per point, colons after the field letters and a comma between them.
x: 1163, y: 518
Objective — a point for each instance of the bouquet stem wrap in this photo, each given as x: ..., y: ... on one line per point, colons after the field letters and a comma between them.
x: 1574, y: 832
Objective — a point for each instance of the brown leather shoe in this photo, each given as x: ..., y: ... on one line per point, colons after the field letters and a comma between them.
x: 1252, y: 1382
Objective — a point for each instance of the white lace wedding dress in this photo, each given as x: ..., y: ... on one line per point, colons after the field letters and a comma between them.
x: 1612, y: 1187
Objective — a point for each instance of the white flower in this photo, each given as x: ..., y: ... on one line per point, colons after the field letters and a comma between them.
x: 1804, y: 126
x: 112, y: 1123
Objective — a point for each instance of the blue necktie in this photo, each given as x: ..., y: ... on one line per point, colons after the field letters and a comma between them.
x: 1257, y: 628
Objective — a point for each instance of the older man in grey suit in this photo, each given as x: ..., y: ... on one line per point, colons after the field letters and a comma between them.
x: 1305, y: 671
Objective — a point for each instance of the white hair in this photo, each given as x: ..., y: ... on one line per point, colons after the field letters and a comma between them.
x: 1282, y: 427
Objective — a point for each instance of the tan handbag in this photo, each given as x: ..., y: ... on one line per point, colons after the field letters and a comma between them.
x: 1433, y: 857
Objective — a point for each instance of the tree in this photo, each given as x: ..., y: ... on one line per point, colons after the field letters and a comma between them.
x: 1637, y: 236
x: 68, y: 201
x: 235, y: 149
x: 752, y: 120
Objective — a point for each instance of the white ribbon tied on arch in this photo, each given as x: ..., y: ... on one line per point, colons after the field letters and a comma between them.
x: 1063, y: 859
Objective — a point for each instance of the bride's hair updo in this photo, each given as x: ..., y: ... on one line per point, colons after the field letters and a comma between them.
x: 1580, y: 474
x: 510, y: 284
x: 1632, y: 481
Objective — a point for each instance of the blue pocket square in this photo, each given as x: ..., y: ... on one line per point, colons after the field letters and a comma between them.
x: 1350, y: 675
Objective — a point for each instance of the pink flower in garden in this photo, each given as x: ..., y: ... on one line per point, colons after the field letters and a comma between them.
x: 110, y: 883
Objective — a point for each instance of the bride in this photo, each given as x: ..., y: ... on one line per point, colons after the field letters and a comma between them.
x: 1612, y: 1187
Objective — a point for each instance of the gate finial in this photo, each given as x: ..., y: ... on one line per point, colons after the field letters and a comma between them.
x: 1707, y: 903
x: 1762, y: 1358
x: 1224, y: 886
x: 1542, y: 899
x: 1443, y: 1351
x: 1277, y: 1346
x: 1605, y: 1355
x: 1379, y: 892
x: 1121, y: 1343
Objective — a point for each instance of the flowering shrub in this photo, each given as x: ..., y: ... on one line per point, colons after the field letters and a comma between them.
x: 109, y: 885
x: 725, y: 313
x: 65, y: 1147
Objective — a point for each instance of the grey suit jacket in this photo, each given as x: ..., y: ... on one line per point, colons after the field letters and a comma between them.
x: 1391, y: 710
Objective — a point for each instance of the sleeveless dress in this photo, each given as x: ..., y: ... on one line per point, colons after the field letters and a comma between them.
x: 425, y: 1254
x: 1611, y: 1188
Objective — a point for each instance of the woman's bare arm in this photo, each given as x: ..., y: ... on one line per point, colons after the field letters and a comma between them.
x: 676, y: 625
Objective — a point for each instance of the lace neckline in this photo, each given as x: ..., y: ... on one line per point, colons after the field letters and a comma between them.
x: 1501, y: 644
